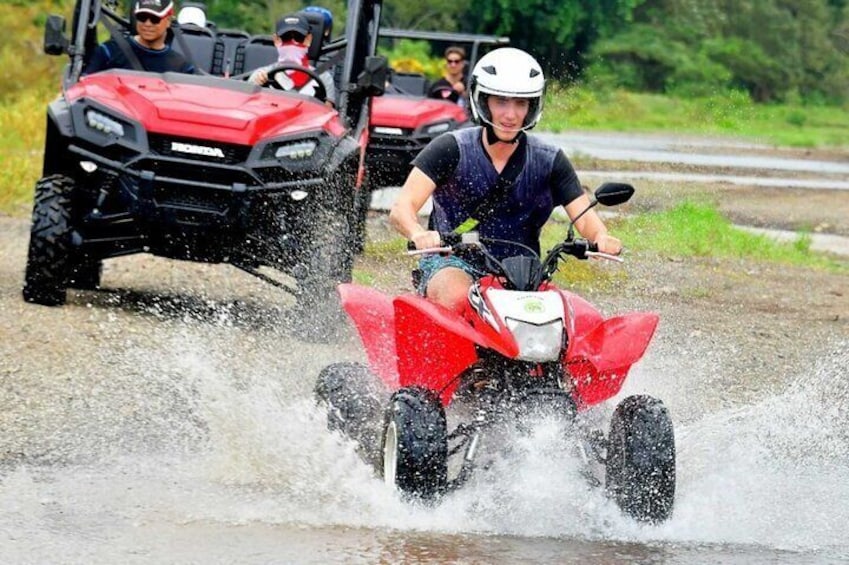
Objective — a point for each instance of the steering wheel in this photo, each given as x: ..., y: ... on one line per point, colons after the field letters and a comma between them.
x: 320, y: 91
x: 444, y: 93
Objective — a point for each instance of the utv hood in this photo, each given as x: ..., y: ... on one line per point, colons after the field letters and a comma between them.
x: 413, y: 112
x: 204, y: 107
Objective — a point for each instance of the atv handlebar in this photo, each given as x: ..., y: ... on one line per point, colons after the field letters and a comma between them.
x: 452, y: 243
x: 522, y: 279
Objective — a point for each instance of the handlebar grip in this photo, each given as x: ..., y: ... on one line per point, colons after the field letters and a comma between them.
x: 592, y: 246
x: 450, y: 238
x: 447, y: 239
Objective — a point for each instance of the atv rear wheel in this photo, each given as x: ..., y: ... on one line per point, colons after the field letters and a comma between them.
x: 48, y: 258
x: 353, y: 397
x: 640, y: 464
x: 415, y: 444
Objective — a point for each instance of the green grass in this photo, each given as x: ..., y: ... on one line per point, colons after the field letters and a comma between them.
x: 728, y: 114
x: 693, y: 229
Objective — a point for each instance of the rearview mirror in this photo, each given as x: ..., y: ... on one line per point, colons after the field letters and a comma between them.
x: 614, y: 193
x: 55, y: 42
x: 372, y: 81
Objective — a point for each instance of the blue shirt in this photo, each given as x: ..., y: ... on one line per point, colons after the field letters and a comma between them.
x: 109, y: 55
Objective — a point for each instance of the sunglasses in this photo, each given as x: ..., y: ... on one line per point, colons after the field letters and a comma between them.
x: 145, y: 17
x: 453, y: 61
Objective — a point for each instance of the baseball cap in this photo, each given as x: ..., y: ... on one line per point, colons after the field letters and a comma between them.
x: 159, y: 8
x: 191, y: 15
x: 293, y: 22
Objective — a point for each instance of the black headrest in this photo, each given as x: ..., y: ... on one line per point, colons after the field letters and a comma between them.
x: 316, y: 21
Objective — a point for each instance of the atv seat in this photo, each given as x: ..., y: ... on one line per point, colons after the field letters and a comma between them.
x: 228, y: 56
x: 200, y: 42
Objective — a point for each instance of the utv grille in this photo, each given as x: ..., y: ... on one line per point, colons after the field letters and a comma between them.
x: 198, y: 149
x: 177, y: 171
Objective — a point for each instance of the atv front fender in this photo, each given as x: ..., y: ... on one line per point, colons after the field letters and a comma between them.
x: 437, y: 345
x: 373, y: 315
x: 600, y: 360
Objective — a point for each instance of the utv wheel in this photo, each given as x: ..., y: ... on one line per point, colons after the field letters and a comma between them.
x: 640, y: 465
x: 362, y: 203
x: 329, y: 262
x: 86, y: 274
x: 415, y: 445
x: 48, y: 258
x: 352, y: 395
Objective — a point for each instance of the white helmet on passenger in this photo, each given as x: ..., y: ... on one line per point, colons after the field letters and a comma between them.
x: 507, y: 72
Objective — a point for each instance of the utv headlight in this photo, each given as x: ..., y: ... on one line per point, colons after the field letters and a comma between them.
x: 440, y: 127
x: 537, y: 342
x: 293, y: 150
x: 384, y: 130
x: 298, y: 150
x: 103, y: 123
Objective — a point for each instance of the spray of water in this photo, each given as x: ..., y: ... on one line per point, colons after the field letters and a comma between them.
x: 249, y: 446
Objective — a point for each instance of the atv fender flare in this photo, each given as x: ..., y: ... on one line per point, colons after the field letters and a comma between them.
x: 600, y: 360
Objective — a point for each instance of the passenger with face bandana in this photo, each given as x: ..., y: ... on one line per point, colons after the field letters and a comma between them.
x: 292, y: 40
x: 494, y: 178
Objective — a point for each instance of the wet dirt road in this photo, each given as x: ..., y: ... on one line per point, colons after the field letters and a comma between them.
x: 169, y: 419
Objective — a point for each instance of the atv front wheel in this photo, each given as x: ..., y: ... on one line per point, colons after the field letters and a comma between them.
x: 415, y: 445
x: 48, y: 258
x: 640, y: 464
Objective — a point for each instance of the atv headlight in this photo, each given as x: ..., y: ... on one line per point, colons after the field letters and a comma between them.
x: 103, y: 123
x: 541, y: 342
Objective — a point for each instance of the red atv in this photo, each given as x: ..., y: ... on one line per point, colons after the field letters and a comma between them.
x: 200, y: 167
x: 521, y: 348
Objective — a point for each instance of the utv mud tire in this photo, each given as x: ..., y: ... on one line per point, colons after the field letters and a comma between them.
x: 640, y: 466
x: 362, y: 204
x: 49, y: 255
x: 415, y: 445
x: 353, y: 398
x: 86, y: 274
x: 329, y: 262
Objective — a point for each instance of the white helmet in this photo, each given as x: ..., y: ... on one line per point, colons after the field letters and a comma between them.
x: 507, y: 72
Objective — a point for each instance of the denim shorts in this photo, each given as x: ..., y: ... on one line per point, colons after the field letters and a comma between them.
x: 429, y: 265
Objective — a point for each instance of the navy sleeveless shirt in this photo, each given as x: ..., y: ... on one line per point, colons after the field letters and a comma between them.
x: 518, y: 214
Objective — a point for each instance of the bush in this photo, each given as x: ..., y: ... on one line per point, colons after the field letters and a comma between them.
x: 413, y: 56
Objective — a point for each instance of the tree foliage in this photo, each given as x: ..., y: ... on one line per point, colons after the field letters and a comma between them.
x: 772, y: 49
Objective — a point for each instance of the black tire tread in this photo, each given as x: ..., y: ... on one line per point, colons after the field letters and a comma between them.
x: 48, y: 257
x: 422, y: 471
x: 640, y: 464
